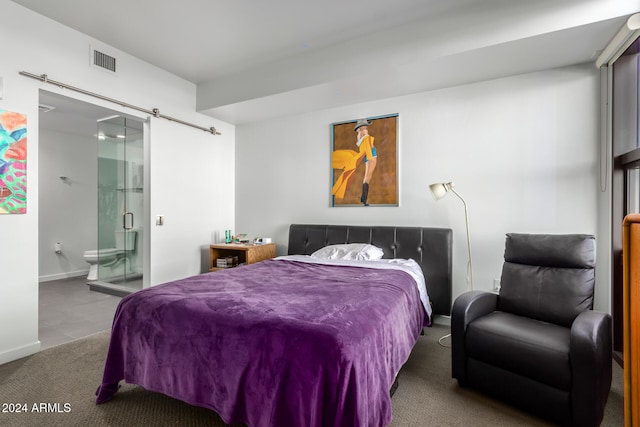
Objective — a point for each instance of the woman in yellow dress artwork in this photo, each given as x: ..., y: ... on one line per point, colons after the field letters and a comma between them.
x: 348, y: 161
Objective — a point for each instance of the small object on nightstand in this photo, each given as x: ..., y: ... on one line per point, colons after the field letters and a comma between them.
x: 240, y: 238
x: 227, y: 262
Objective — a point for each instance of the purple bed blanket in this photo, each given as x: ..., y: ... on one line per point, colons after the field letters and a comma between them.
x: 273, y: 344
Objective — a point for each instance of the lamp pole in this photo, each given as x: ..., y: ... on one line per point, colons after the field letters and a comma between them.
x: 466, y: 220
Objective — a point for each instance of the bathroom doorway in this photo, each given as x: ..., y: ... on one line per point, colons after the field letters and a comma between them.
x: 68, y: 218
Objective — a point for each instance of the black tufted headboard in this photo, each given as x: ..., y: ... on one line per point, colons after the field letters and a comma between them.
x: 429, y: 247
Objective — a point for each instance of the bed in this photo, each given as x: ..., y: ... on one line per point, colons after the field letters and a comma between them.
x: 296, y: 340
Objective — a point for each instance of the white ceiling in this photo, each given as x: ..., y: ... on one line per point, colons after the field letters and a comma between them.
x: 254, y: 59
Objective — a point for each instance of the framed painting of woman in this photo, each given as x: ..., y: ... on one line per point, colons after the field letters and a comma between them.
x: 364, y: 162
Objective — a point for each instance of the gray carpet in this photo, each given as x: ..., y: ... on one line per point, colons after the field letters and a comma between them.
x: 65, y: 378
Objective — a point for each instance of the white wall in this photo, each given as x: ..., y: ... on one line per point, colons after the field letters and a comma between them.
x: 522, y: 152
x: 70, y: 211
x: 187, y: 164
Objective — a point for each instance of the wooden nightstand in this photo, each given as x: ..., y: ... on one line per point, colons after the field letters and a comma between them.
x: 247, y: 254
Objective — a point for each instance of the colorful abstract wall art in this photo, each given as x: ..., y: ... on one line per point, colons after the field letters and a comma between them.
x: 13, y: 163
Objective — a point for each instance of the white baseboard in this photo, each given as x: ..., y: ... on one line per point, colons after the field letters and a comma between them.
x: 20, y: 352
x: 66, y: 275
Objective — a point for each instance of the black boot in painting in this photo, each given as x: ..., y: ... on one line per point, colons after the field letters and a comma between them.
x: 365, y: 194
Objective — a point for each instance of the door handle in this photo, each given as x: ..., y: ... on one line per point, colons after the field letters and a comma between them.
x: 124, y: 220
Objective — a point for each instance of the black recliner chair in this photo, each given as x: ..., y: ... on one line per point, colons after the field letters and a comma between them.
x: 538, y: 344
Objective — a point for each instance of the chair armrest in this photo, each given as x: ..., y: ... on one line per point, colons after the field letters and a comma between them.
x: 471, y: 305
x: 466, y: 308
x: 590, y: 353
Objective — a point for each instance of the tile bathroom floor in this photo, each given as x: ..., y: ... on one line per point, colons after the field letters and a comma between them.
x: 69, y: 310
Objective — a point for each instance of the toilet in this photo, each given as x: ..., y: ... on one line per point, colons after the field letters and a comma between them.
x: 111, y: 256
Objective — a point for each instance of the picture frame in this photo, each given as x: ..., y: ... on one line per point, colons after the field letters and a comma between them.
x: 13, y: 163
x: 364, y: 162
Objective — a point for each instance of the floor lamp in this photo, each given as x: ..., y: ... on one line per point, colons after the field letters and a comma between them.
x: 439, y: 190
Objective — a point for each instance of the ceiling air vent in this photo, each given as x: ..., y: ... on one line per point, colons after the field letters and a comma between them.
x: 102, y: 60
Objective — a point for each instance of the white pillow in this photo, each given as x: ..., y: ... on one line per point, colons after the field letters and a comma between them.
x: 350, y: 251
